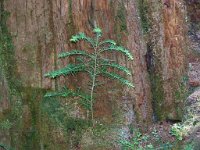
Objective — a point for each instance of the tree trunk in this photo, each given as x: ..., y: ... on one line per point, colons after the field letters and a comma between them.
x: 167, y: 57
x: 142, y: 92
x: 41, y: 29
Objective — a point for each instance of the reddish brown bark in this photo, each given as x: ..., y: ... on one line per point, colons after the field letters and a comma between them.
x: 43, y: 29
x: 169, y: 47
x: 142, y: 92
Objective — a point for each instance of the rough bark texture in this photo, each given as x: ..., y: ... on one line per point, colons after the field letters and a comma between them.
x: 42, y: 28
x: 142, y: 92
x: 167, y: 57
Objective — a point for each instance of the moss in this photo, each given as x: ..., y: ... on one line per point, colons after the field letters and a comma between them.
x: 9, y: 72
x: 60, y: 118
x: 180, y: 96
x: 31, y: 123
x: 28, y: 47
x: 75, y: 128
x: 120, y: 27
x: 27, y: 135
x: 158, y: 96
x: 121, y: 17
x: 7, y: 57
x: 182, y: 92
x: 143, y: 11
x: 94, y: 138
x: 70, y: 22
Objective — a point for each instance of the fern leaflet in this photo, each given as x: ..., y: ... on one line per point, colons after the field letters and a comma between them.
x: 113, y: 75
x: 74, y: 52
x: 69, y: 69
x: 117, y: 66
x: 118, y: 49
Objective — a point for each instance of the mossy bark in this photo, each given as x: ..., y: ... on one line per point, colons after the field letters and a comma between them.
x: 9, y: 76
x: 167, y: 57
x: 31, y: 118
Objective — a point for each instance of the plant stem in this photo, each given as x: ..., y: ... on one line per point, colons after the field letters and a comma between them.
x: 93, y: 81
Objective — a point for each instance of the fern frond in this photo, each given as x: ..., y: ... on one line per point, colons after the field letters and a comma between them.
x: 4, y: 147
x: 102, y: 59
x: 74, y: 52
x: 85, y: 101
x: 80, y: 60
x: 60, y: 94
x: 117, y: 66
x: 82, y: 36
x: 97, y: 30
x: 112, y: 42
x: 117, y: 77
x: 64, y: 92
x: 69, y: 69
x: 52, y: 94
x: 119, y: 49
x: 100, y: 83
x: 84, y: 98
x: 93, y: 64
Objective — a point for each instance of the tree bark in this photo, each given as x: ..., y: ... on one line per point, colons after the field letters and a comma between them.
x: 136, y: 43
x: 167, y: 49
x: 41, y: 29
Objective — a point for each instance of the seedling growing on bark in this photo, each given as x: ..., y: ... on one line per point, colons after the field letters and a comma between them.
x: 95, y: 64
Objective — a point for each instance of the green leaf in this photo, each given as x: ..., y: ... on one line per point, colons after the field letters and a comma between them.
x: 74, y: 38
x: 117, y: 66
x: 85, y: 102
x: 98, y: 33
x: 4, y: 147
x: 74, y: 52
x: 119, y: 49
x: 69, y: 69
x: 80, y: 60
x: 112, y: 42
x: 84, y: 99
x: 97, y: 30
x: 82, y: 36
x: 117, y: 77
x: 64, y: 92
x: 61, y: 94
x: 94, y: 64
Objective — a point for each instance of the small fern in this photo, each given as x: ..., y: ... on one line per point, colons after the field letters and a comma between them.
x: 94, y: 64
x: 72, y: 53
